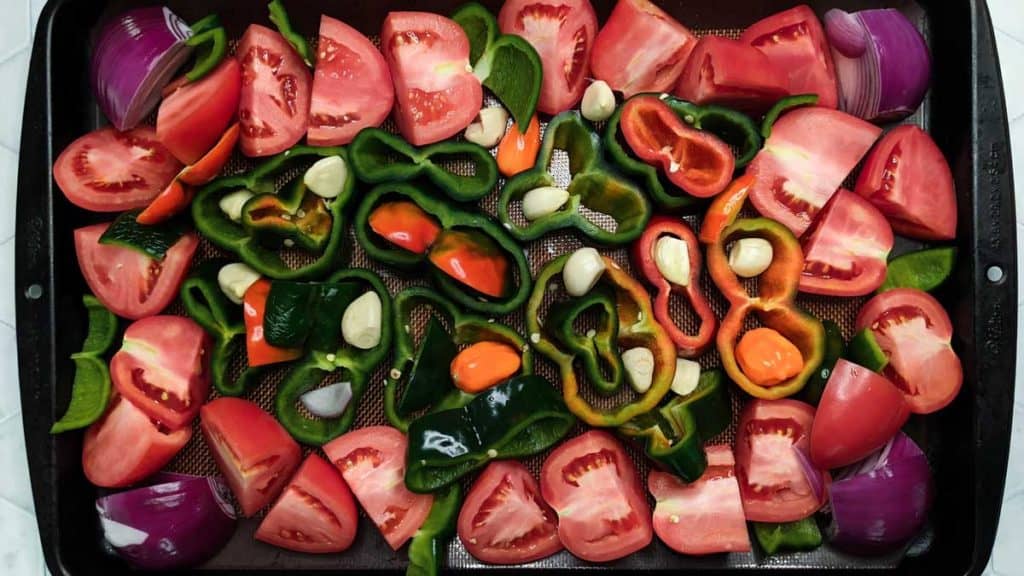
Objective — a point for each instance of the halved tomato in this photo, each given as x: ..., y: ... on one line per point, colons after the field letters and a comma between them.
x: 562, y: 32
x: 162, y: 367
x: 253, y: 452
x: 351, y: 85
x: 125, y: 446
x: 846, y: 251
x: 908, y: 179
x: 473, y: 259
x: 436, y: 93
x: 859, y: 412
x: 914, y: 331
x: 640, y: 49
x: 315, y: 513
x: 772, y: 480
x: 602, y: 511
x: 805, y: 160
x: 730, y: 73
x: 111, y: 171
x: 795, y: 42
x: 274, y: 105
x: 193, y: 117
x: 703, y: 517
x: 129, y: 283
x: 372, y: 461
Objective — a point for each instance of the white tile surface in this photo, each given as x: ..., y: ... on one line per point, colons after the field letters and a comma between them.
x: 15, y: 28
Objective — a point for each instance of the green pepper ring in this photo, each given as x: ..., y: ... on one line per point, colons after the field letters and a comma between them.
x: 592, y: 350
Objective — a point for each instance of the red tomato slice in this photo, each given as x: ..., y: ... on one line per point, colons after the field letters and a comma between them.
x: 805, y: 160
x: 473, y: 259
x: 125, y: 446
x: 908, y: 179
x: 192, y: 118
x: 351, y: 85
x: 914, y: 331
x: 730, y: 73
x: 562, y: 32
x: 504, y: 520
x: 591, y: 483
x: 315, y: 514
x: 274, y: 106
x: 129, y: 283
x: 847, y: 249
x: 253, y: 452
x: 372, y: 461
x: 859, y: 412
x: 703, y: 517
x: 162, y: 368
x: 436, y: 93
x: 641, y: 49
x: 111, y: 171
x: 795, y: 42
x: 772, y: 480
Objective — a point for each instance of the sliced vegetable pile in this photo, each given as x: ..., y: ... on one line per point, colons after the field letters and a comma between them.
x: 642, y: 122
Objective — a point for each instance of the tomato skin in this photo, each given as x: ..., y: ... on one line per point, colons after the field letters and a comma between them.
x: 111, y: 171
x: 129, y: 283
x: 703, y: 517
x: 562, y: 32
x: 125, y: 446
x: 771, y: 478
x: 907, y: 177
x: 351, y: 85
x: 473, y: 259
x: 192, y: 118
x: 914, y: 331
x: 274, y: 104
x: 315, y: 513
x: 505, y: 503
x: 605, y: 517
x: 640, y: 49
x: 168, y: 355
x: 372, y: 461
x: 847, y: 250
x: 253, y: 452
x: 730, y: 73
x: 406, y: 225
x: 258, y: 351
x: 859, y: 412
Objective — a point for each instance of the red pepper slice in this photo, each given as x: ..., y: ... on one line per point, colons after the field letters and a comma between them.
x: 406, y: 225
x: 254, y: 306
x: 697, y: 162
x: 725, y: 208
x: 473, y: 259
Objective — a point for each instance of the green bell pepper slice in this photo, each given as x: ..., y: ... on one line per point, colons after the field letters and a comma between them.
x: 595, y: 185
x: 597, y: 349
x: 865, y: 351
x: 835, y: 348
x: 426, y: 549
x: 347, y: 362
x: 90, y: 391
x: 800, y: 535
x: 466, y: 329
x: 521, y: 417
x: 250, y: 242
x: 783, y: 106
x: 279, y: 17
x: 292, y: 217
x: 205, y: 303
x: 449, y: 217
x: 210, y: 40
x: 380, y: 157
x: 925, y: 270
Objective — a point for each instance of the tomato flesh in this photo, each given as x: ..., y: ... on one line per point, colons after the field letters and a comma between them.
x: 406, y: 225
x: 193, y: 117
x: 473, y: 259
x: 730, y: 73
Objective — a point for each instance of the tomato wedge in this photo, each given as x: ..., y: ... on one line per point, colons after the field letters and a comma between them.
x: 436, y: 93
x: 274, y: 105
x: 253, y: 452
x: 703, y: 517
x: 640, y: 49
x: 111, y: 171
x: 772, y: 481
x: 473, y: 259
x: 562, y: 32
x: 315, y: 513
x: 602, y: 512
x: 372, y: 461
x: 192, y: 118
x: 129, y: 283
x: 914, y: 331
x: 351, y: 85
x: 907, y: 177
x: 804, y: 161
x: 504, y: 520
x: 847, y: 249
x: 730, y: 73
x: 162, y: 367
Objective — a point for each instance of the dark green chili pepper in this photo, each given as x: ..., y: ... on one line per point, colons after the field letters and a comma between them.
x: 153, y: 241
x: 307, y: 313
x: 430, y: 377
x: 426, y: 549
x: 210, y: 40
x: 279, y: 17
x: 90, y: 391
x: 800, y: 535
x: 593, y: 350
x: 783, y: 106
x: 835, y: 348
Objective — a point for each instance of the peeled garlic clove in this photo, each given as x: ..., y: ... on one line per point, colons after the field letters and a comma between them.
x: 582, y: 271
x: 231, y: 204
x: 326, y: 178
x: 488, y: 128
x: 639, y: 365
x: 687, y: 376
x: 749, y: 257
x: 361, y: 322
x: 672, y: 257
x: 235, y: 279
x: 542, y: 201
x: 598, y: 101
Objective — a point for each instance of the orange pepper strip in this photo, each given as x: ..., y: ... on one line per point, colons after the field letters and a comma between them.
x: 767, y: 357
x: 517, y: 151
x: 207, y: 167
x: 724, y: 209
x: 483, y: 365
